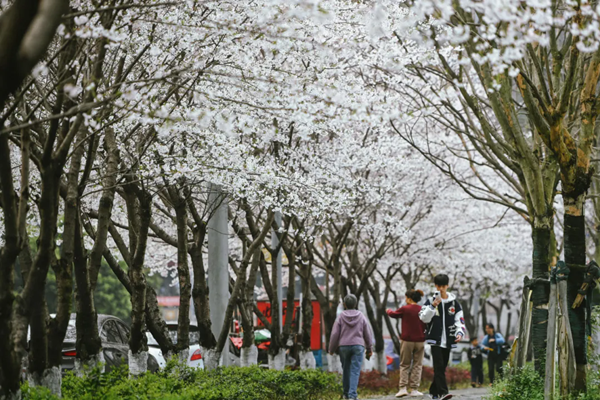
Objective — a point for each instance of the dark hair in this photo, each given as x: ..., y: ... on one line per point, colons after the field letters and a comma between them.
x: 474, y: 339
x: 350, y: 301
x: 414, y: 295
x: 491, y: 326
x: 441, y: 280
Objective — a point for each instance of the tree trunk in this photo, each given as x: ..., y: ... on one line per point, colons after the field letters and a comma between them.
x: 470, y: 319
x: 524, y: 327
x: 508, y: 322
x: 288, y: 339
x: 307, y: 358
x: 377, y: 329
x: 249, y: 352
x: 10, y: 359
x: 156, y: 324
x: 394, y: 335
x: 549, y: 383
x: 276, y: 337
x: 566, y: 352
x: 575, y: 257
x: 35, y: 286
x: 183, y: 272
x: 38, y: 344
x: 137, y: 341
x: 88, y: 345
x: 541, y: 236
x: 200, y: 292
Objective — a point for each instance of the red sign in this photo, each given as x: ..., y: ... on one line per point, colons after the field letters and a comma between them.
x: 168, y: 301
x: 315, y: 332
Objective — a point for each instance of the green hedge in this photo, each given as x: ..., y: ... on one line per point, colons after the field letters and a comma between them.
x: 182, y: 383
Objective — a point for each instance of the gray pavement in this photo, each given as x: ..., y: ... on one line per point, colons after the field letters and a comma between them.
x: 465, y: 394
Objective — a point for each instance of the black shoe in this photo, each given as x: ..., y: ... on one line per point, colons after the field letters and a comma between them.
x: 446, y: 397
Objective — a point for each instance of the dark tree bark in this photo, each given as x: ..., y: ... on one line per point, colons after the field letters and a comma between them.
x: 139, y: 212
x: 575, y: 257
x: 200, y: 291
x: 183, y: 271
x: 307, y: 308
x: 237, y: 291
x: 200, y: 287
x: 248, y: 301
x: 26, y: 30
x: 13, y: 326
x: 540, y: 293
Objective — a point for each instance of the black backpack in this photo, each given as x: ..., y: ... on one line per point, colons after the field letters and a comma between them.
x: 504, y: 351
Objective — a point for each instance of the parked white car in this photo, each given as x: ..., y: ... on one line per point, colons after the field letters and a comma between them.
x: 194, y: 357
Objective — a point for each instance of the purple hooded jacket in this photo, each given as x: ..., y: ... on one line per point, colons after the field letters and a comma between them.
x: 350, y: 328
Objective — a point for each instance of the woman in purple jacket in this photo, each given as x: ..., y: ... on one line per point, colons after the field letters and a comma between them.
x: 350, y: 336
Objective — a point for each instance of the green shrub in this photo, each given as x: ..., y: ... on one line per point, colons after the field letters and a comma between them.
x: 527, y: 384
x: 35, y: 393
x: 524, y: 384
x: 178, y: 382
x: 593, y: 387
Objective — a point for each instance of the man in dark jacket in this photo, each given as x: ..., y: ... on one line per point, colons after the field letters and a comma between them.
x: 445, y: 327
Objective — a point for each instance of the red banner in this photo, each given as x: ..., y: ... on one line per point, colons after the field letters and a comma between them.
x: 315, y: 333
x: 168, y: 301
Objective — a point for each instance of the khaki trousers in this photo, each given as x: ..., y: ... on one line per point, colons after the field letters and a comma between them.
x: 411, y: 354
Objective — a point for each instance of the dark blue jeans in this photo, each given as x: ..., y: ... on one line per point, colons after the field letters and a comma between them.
x: 352, y: 358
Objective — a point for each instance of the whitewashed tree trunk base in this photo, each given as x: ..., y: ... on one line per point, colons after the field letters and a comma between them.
x: 52, y: 380
x: 368, y: 365
x: 183, y: 356
x: 277, y: 362
x: 211, y: 358
x: 334, y: 363
x: 82, y: 367
x: 380, y: 362
x: 138, y: 363
x: 307, y: 360
x: 12, y: 396
x: 169, y: 356
x: 596, y: 341
x: 249, y: 356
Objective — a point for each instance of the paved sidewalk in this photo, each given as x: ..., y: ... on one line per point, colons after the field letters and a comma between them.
x: 466, y: 394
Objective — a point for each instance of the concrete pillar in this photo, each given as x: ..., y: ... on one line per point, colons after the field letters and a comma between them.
x: 218, y: 265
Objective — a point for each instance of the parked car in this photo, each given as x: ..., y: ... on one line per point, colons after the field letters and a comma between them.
x: 114, y: 334
x: 194, y: 356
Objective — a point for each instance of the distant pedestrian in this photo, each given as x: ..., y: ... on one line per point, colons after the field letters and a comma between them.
x: 350, y: 336
x: 412, y: 348
x: 476, y: 361
x: 492, y: 344
x: 445, y: 327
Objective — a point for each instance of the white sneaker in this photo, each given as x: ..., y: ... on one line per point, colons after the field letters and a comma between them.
x: 403, y: 392
x: 415, y: 393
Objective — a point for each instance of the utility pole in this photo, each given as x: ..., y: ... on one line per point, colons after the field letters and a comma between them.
x: 218, y: 265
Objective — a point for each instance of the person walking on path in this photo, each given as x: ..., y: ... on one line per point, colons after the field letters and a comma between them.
x: 350, y: 336
x: 476, y: 361
x: 412, y: 348
x: 445, y: 327
x: 492, y: 344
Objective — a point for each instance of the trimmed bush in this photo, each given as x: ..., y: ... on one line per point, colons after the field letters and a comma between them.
x: 182, y: 383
